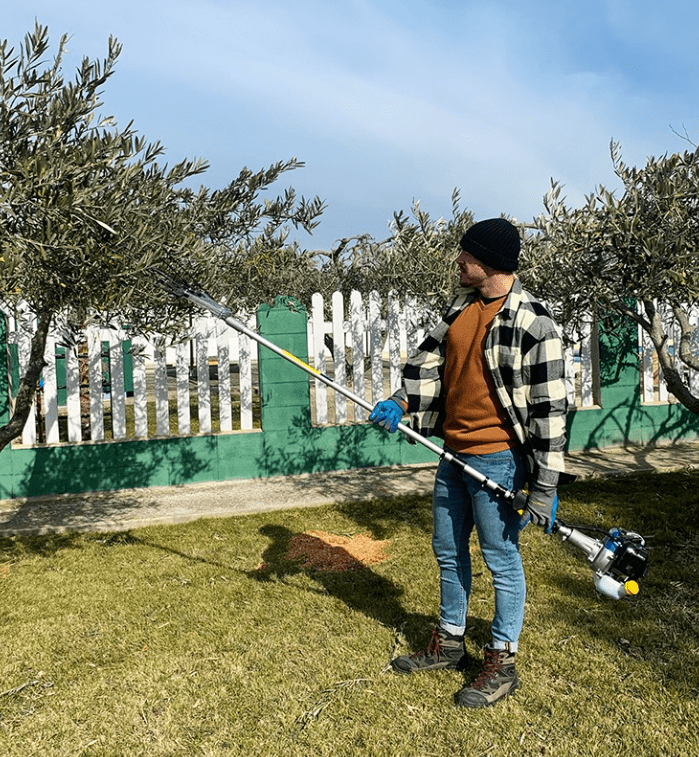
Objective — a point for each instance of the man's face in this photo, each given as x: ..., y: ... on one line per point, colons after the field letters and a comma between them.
x: 472, y: 272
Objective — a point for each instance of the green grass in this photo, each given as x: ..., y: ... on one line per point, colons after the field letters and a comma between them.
x: 174, y: 641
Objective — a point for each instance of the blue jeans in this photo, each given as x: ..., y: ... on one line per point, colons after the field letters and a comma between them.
x: 459, y: 502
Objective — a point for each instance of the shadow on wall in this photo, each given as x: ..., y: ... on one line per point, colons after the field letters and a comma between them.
x: 115, y: 466
x: 618, y: 349
x: 303, y: 448
x: 95, y: 470
x: 630, y: 423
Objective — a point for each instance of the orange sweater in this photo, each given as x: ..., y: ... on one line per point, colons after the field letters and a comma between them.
x: 475, y: 420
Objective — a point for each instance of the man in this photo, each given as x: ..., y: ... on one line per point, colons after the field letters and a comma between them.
x: 489, y: 379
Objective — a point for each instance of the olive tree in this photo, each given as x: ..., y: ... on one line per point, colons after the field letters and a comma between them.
x: 418, y: 258
x: 89, y: 216
x: 635, y: 255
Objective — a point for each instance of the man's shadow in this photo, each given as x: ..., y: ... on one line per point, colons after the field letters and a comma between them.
x: 357, y: 585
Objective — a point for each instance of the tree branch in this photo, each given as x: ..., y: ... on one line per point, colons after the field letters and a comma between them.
x: 686, y: 353
x: 28, y: 384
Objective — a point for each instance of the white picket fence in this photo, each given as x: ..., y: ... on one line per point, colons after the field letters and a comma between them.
x: 367, y: 350
x: 360, y: 344
x: 162, y: 384
x: 372, y: 348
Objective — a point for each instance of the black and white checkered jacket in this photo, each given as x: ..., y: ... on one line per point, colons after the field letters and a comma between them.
x: 524, y: 352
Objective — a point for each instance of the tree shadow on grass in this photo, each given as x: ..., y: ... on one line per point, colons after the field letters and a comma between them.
x: 132, y: 539
x: 47, y: 545
x: 87, y: 487
x: 661, y: 625
x: 362, y: 588
x: 357, y: 585
x: 15, y: 547
x: 383, y: 517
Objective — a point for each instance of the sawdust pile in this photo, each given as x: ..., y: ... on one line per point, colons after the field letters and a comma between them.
x: 329, y: 552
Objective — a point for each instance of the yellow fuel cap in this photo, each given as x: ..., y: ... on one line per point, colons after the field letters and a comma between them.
x: 631, y: 587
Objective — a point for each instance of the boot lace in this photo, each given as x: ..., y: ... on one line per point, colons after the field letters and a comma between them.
x: 492, y: 665
x: 434, y: 647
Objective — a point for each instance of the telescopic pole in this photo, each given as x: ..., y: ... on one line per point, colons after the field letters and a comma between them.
x: 204, y: 301
x: 617, y: 562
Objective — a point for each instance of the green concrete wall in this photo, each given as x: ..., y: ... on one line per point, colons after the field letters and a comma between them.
x: 289, y: 444
x: 621, y: 417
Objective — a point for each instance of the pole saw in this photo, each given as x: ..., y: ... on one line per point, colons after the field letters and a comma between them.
x: 618, y: 559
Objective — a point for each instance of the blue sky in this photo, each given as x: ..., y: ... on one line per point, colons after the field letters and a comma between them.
x: 388, y: 101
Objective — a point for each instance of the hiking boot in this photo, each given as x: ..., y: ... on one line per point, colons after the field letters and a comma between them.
x: 497, y: 679
x: 444, y: 652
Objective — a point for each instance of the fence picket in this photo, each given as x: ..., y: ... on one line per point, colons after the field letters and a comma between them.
x: 586, y: 368
x: 223, y: 348
x: 394, y: 361
x: 357, y: 330
x: 50, y: 392
x: 319, y: 356
x: 203, y: 383
x: 73, y: 394
x: 569, y: 358
x: 340, y: 372
x: 412, y: 337
x: 140, y: 390
x: 694, y: 346
x: 245, y: 351
x: 376, y: 346
x: 646, y: 346
x: 94, y: 360
x: 182, y: 377
x: 162, y: 402
x: 24, y: 349
x: 117, y: 395
x: 663, y: 394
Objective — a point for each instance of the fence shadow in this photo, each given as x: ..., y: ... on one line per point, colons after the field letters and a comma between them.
x: 102, y: 481
x: 309, y: 449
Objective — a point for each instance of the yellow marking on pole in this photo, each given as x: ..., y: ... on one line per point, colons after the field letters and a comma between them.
x: 300, y: 362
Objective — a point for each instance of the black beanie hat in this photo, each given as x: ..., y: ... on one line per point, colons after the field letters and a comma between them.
x: 494, y: 242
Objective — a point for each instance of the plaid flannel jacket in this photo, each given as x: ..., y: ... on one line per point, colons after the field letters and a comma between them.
x: 525, y: 355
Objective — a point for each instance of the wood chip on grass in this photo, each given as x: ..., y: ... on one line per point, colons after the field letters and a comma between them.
x: 330, y: 552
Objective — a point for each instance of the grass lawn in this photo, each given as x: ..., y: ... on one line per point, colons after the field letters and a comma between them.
x: 204, y: 639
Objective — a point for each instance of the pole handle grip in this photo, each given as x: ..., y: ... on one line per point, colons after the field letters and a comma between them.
x: 519, y: 503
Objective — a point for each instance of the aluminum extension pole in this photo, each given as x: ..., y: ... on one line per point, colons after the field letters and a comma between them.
x: 616, y: 562
x: 204, y: 301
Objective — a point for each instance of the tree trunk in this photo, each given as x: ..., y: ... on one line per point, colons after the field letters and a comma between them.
x: 28, y: 384
x: 671, y: 375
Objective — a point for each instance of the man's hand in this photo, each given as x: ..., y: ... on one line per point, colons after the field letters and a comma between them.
x: 387, y: 414
x: 540, y: 510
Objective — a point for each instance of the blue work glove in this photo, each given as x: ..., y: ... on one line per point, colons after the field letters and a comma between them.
x: 387, y: 414
x: 540, y: 509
